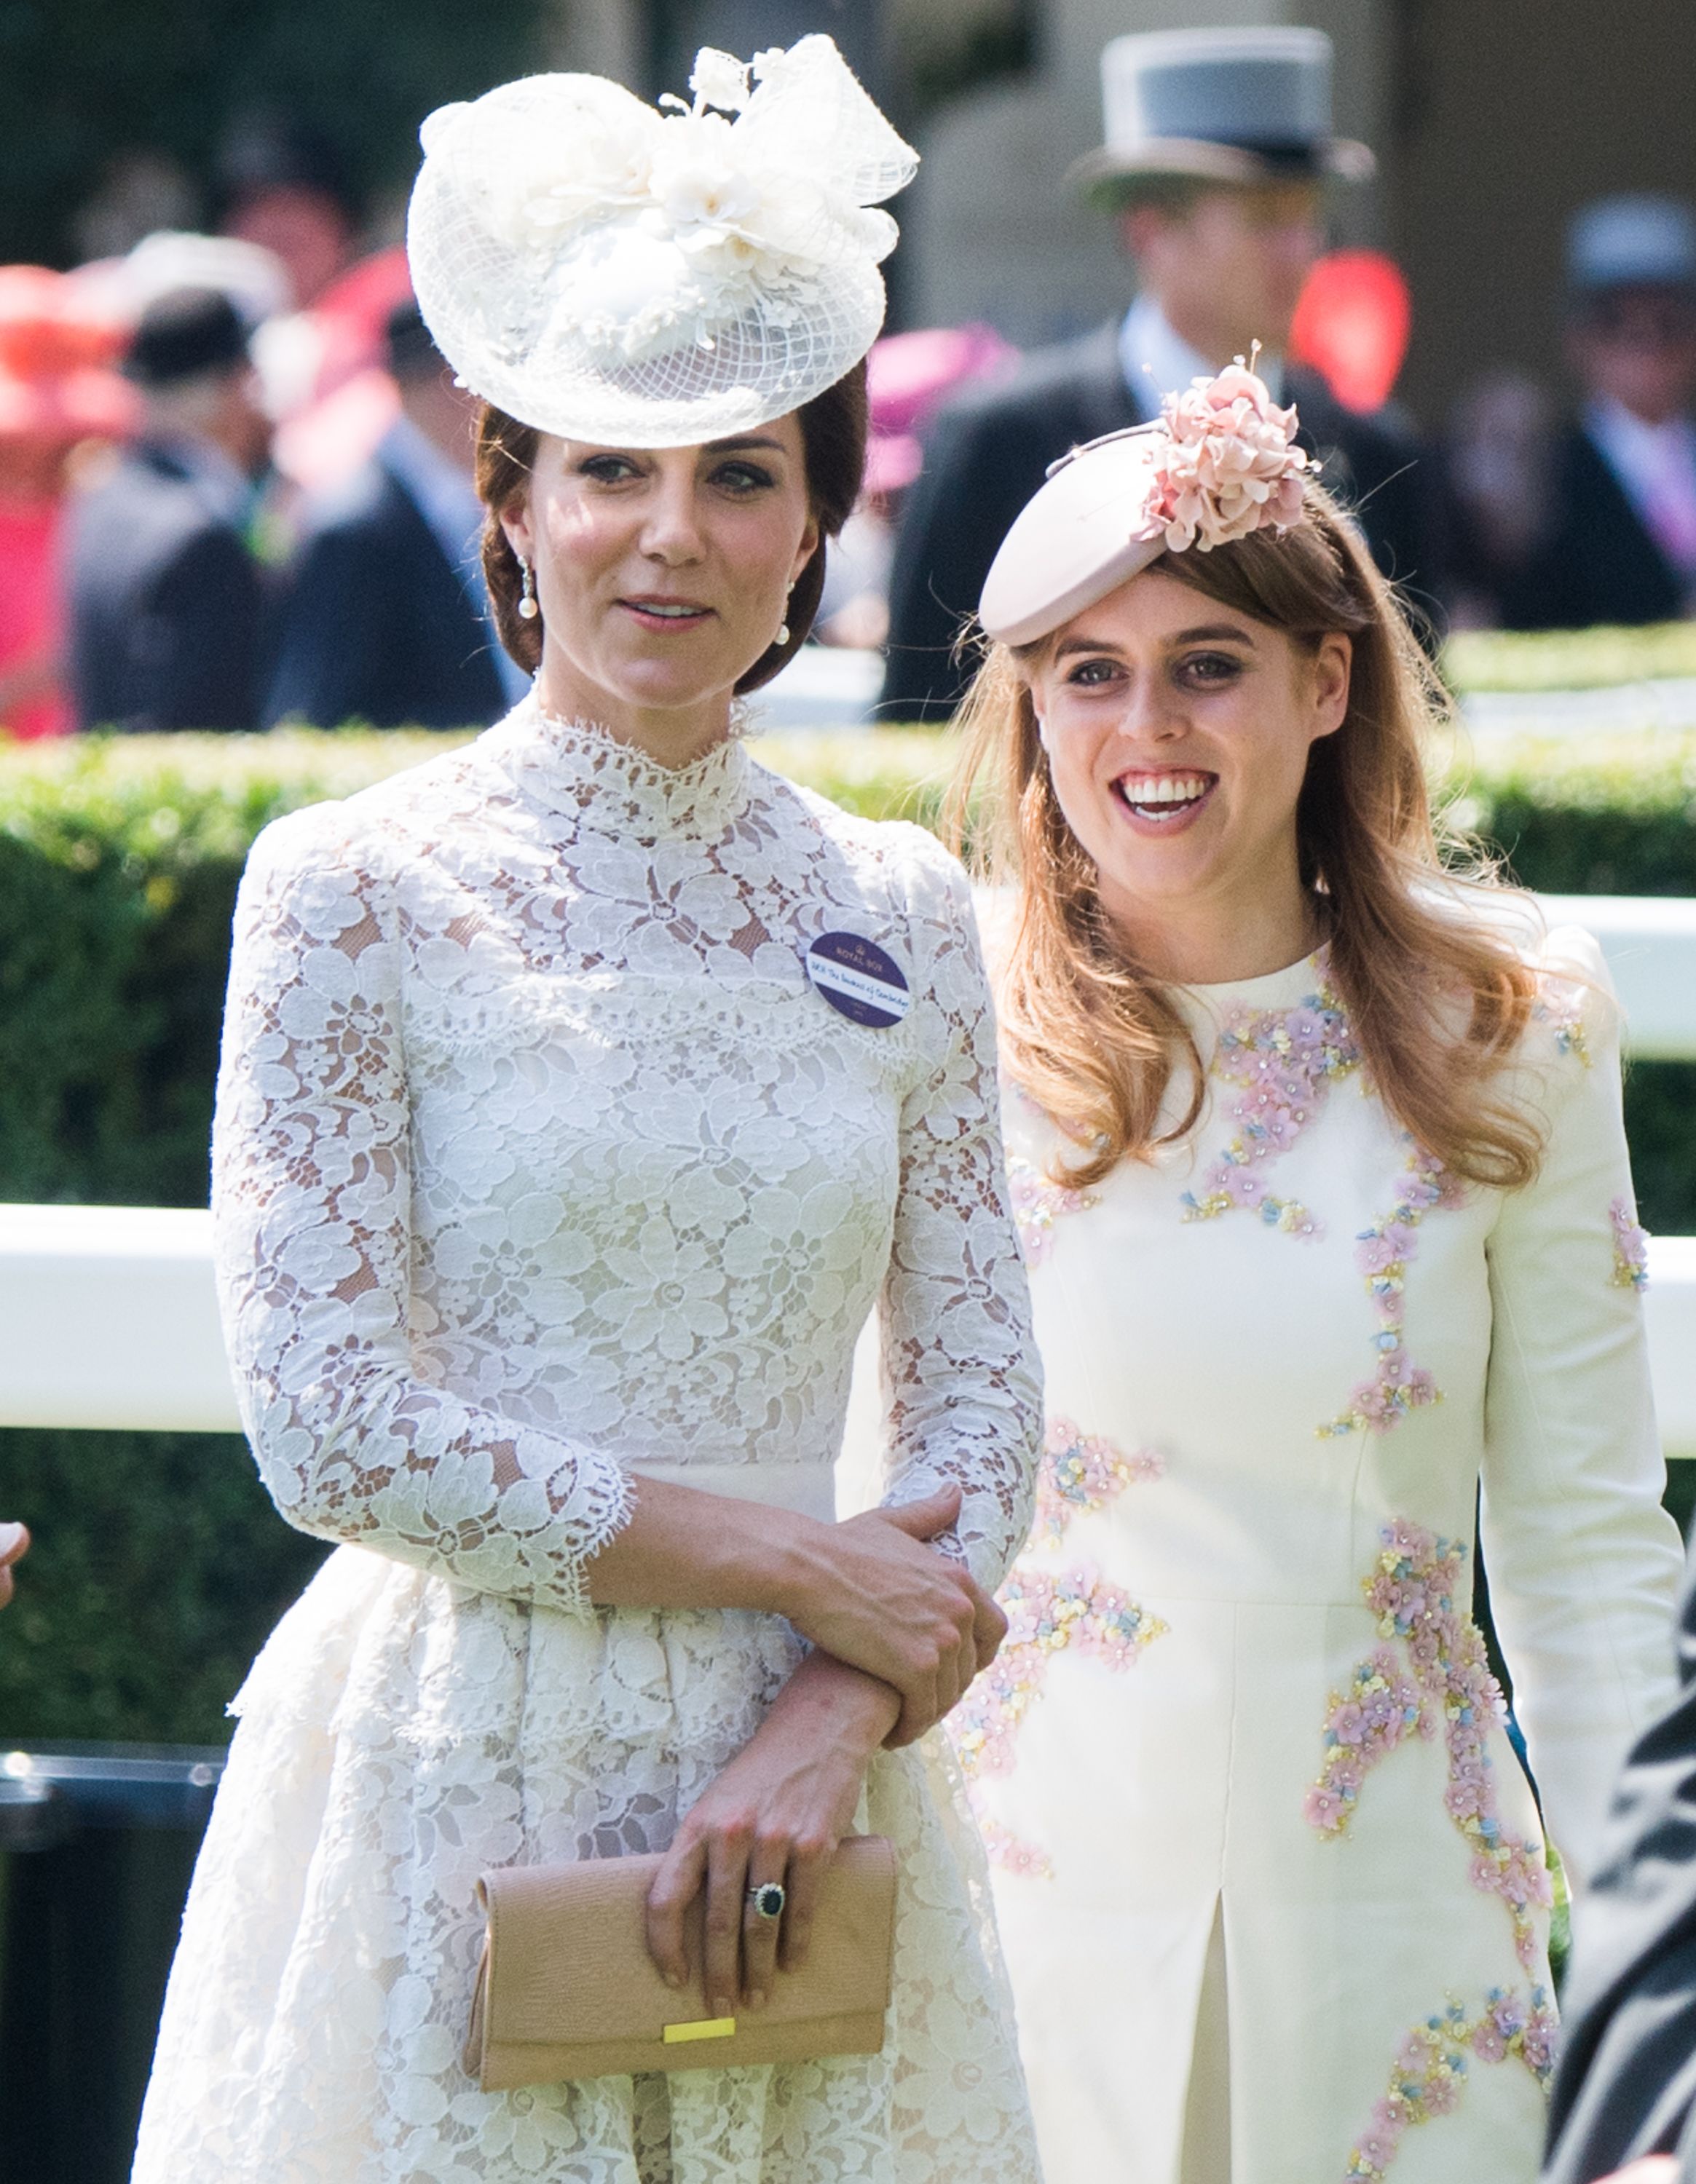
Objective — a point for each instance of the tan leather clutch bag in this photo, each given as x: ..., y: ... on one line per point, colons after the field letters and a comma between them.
x: 567, y: 1988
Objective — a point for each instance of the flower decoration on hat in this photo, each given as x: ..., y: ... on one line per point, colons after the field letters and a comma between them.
x: 606, y: 270
x: 1229, y: 465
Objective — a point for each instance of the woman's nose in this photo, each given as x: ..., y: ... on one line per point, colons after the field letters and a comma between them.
x: 672, y: 533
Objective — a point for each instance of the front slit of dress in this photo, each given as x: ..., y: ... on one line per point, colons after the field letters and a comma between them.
x: 1206, y: 2157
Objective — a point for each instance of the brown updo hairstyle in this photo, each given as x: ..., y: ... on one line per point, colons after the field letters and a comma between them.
x: 832, y: 431
x: 1435, y: 992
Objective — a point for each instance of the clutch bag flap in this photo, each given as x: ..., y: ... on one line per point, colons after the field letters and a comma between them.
x: 567, y: 1988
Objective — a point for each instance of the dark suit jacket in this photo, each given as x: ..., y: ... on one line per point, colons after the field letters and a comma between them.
x: 166, y: 603
x: 377, y: 627
x: 988, y: 452
x: 1597, y: 563
x: 1626, y: 2084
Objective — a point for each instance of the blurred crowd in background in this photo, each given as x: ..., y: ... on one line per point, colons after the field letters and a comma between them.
x: 236, y: 488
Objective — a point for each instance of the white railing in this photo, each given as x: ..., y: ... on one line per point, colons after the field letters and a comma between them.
x: 108, y: 1315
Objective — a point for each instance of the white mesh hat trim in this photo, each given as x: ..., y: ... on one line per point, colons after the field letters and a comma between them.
x: 607, y: 271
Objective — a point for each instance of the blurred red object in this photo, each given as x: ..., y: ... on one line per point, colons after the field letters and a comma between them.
x: 907, y: 376
x: 58, y: 390
x: 57, y: 381
x: 353, y: 312
x: 1353, y: 325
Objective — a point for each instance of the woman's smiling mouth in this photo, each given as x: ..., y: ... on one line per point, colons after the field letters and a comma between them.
x: 1163, y: 803
x: 659, y: 613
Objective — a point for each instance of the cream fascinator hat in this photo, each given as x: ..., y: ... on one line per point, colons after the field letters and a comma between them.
x: 658, y: 277
x: 1221, y: 461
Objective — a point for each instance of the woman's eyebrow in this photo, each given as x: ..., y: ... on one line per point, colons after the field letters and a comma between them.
x: 1069, y: 645
x: 744, y: 440
x: 1211, y: 633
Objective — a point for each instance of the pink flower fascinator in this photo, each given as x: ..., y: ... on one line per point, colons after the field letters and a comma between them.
x: 1221, y: 462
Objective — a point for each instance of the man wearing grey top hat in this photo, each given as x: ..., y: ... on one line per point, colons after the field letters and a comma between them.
x: 1219, y: 146
x: 1619, y: 545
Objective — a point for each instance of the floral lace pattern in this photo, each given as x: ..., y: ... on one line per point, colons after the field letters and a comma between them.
x: 537, y: 1159
x: 1382, y: 1255
x: 1286, y: 1061
x: 1432, y: 2069
x: 1631, y: 1247
x: 1038, y: 1202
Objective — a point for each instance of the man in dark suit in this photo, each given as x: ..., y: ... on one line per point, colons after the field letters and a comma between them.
x: 1624, y: 2094
x: 1619, y: 544
x: 388, y: 621
x: 1219, y: 142
x: 165, y: 599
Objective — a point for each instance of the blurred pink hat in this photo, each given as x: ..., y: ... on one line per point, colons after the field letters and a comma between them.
x: 908, y: 375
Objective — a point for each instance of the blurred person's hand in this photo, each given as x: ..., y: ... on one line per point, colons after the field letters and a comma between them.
x: 15, y: 1542
x: 1657, y: 2169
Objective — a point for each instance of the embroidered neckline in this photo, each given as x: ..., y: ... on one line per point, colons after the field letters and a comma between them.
x: 581, y: 770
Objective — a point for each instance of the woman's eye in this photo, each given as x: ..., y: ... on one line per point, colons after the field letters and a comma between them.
x: 1088, y: 673
x: 607, y: 470
x: 1211, y: 667
x: 742, y: 477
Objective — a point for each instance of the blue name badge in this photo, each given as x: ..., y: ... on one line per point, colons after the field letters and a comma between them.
x: 858, y: 979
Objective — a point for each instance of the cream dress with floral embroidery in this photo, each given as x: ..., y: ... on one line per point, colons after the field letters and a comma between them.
x: 539, y: 1163
x: 1270, y: 1876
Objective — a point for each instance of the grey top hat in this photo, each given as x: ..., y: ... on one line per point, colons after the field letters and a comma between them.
x: 1219, y: 106
x: 1629, y: 242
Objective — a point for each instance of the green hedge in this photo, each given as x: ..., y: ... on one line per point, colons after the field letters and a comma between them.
x: 161, y: 1565
x: 1568, y: 659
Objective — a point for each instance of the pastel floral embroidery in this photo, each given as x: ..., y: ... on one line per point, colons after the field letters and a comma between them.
x: 1432, y: 2065
x: 1047, y: 1614
x: 1445, y: 1685
x: 1286, y: 1061
x: 1038, y: 1202
x: 1002, y: 1847
x: 1080, y: 1473
x: 1561, y: 1009
x: 1383, y: 1254
x: 1631, y: 1247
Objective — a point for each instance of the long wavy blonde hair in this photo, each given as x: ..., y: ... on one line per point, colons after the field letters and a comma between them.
x: 1437, y: 999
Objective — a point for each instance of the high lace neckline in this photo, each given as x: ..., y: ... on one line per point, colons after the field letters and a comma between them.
x: 580, y: 770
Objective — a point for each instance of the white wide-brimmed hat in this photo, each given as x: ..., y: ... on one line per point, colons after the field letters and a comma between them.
x: 1229, y: 106
x: 654, y: 277
x: 1221, y: 462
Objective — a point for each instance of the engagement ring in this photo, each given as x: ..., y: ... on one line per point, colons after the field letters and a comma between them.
x: 767, y: 1899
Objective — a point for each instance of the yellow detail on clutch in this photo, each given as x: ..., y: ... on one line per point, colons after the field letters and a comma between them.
x: 703, y: 2028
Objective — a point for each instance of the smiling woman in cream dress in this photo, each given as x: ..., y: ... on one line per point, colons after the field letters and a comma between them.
x: 551, y: 1188
x: 1325, y: 1193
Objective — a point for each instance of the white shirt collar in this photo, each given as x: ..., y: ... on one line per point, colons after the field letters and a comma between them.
x: 1156, y: 360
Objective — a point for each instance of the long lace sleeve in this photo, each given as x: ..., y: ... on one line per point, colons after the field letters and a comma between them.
x: 311, y: 1203
x: 961, y: 1384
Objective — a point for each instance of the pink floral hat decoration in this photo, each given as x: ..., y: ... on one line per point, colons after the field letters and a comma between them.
x: 1221, y: 461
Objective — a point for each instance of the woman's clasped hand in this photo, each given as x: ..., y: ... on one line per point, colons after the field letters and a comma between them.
x: 876, y: 1594
x: 15, y: 1540
x: 899, y: 1628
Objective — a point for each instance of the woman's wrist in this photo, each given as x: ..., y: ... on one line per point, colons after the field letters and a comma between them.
x: 842, y: 1704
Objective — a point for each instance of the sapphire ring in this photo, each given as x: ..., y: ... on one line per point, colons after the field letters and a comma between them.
x: 766, y: 1898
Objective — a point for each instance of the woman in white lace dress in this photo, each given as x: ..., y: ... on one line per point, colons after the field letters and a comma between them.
x: 552, y: 1188
x: 1319, y: 1159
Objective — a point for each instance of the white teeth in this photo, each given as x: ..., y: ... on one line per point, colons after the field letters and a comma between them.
x: 1162, y: 788
x: 667, y: 614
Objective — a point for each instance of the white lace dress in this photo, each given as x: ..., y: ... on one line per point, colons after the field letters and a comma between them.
x: 538, y: 1163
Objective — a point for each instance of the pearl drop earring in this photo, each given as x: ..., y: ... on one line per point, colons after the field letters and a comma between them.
x: 783, y: 635
x: 527, y: 607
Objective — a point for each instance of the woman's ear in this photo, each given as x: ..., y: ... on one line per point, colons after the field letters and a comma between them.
x: 515, y: 521
x: 1333, y: 667
x: 809, y: 546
